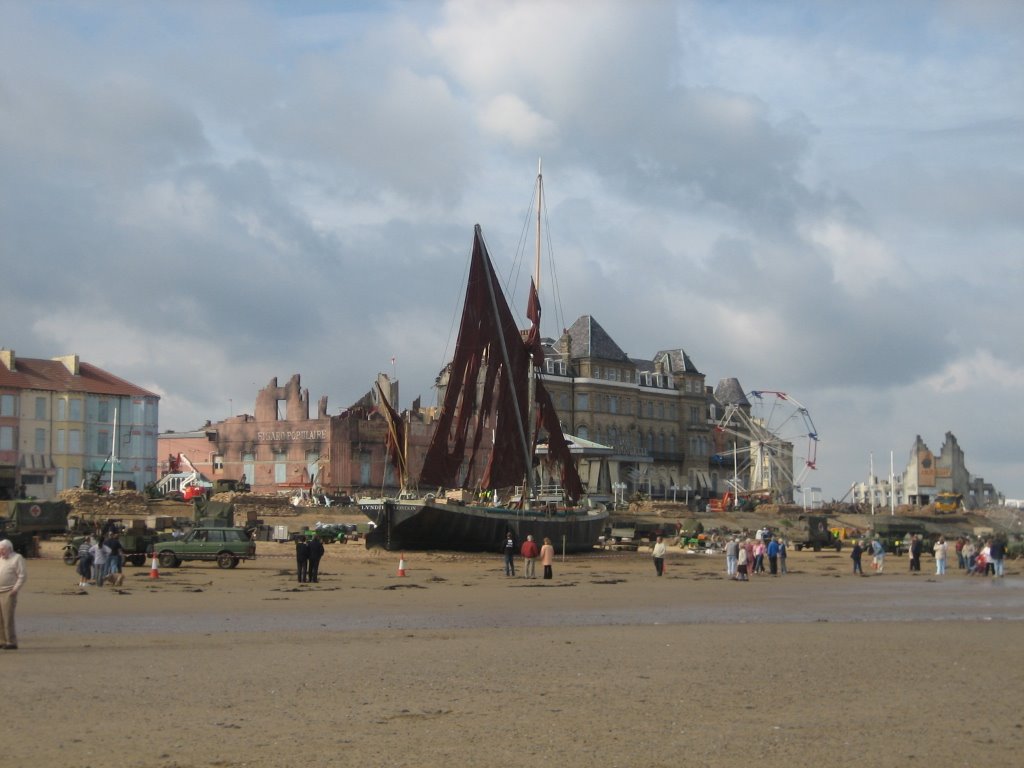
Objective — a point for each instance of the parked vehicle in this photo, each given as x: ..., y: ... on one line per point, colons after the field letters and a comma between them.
x: 225, y: 546
x: 817, y: 536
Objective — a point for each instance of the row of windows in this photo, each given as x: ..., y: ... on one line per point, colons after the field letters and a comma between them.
x: 624, y: 405
x: 70, y: 409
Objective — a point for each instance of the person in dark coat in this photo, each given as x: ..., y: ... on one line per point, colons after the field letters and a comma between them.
x: 316, y: 551
x: 855, y: 555
x: 915, y: 553
x: 302, y: 558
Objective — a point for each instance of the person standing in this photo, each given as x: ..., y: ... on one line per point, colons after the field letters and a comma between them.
x: 916, y: 545
x: 658, y: 552
x: 302, y: 559
x: 547, y: 557
x: 997, y: 553
x: 510, y: 555
x: 782, y: 555
x: 100, y: 553
x: 940, y: 550
x: 12, y: 577
x: 85, y: 561
x: 732, y: 551
x: 316, y: 552
x: 960, y: 564
x: 855, y: 555
x: 115, y: 561
x: 741, y: 564
x: 529, y: 551
x: 773, y: 556
x: 969, y: 553
x: 878, y: 555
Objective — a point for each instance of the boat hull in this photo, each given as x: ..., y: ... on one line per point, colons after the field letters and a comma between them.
x: 425, y: 525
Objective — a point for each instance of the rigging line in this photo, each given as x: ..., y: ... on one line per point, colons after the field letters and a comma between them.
x: 516, y: 268
x: 556, y: 292
x: 456, y: 312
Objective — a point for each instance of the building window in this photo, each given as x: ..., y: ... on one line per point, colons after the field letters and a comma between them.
x: 650, y: 409
x: 597, y: 371
x: 62, y: 409
x: 365, y: 465
x: 313, y: 464
x: 76, y: 409
x: 582, y: 401
x: 104, y: 411
x: 60, y: 480
x: 74, y: 477
x: 280, y: 466
x: 40, y: 408
x: 102, y: 443
x: 672, y: 443
x: 248, y: 468
x: 218, y: 463
x: 613, y: 404
x: 74, y: 442
x: 40, y: 440
x: 583, y: 433
x: 661, y: 410
x: 6, y: 438
x: 282, y: 410
x: 60, y: 441
x: 7, y: 405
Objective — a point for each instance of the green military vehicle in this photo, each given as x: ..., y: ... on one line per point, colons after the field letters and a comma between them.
x: 136, y: 543
x: 895, y: 535
x: 21, y: 521
x: 817, y: 535
x: 225, y: 546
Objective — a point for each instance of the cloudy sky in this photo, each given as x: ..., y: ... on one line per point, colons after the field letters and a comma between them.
x: 825, y: 199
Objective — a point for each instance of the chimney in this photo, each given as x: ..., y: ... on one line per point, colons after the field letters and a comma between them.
x: 70, y: 362
x: 7, y: 358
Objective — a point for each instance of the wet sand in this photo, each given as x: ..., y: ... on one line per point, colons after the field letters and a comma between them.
x: 457, y: 664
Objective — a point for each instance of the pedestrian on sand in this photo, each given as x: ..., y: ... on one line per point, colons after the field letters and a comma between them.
x: 529, y: 551
x: 658, y: 552
x: 547, y: 557
x: 12, y: 577
x: 916, y: 545
x: 116, y: 560
x: 940, y: 550
x: 782, y: 555
x: 100, y: 553
x: 997, y: 551
x: 732, y: 551
x: 85, y: 562
x: 877, y: 555
x: 748, y: 545
x: 855, y: 555
x: 302, y: 558
x: 960, y: 563
x: 773, y: 556
x: 759, y: 555
x: 316, y: 552
x: 510, y: 555
x: 741, y: 565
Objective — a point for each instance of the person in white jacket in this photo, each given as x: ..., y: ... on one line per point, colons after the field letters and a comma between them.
x: 12, y: 577
x: 658, y: 552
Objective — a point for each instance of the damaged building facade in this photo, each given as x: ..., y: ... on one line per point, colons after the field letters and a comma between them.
x: 281, y: 447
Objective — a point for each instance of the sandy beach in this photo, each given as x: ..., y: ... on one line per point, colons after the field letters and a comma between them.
x: 457, y: 664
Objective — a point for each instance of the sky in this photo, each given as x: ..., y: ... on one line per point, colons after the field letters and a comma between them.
x: 822, y: 199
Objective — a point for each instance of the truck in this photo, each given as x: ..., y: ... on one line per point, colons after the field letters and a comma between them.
x: 23, y: 520
x: 225, y: 546
x: 894, y: 534
x: 817, y: 535
x: 948, y: 503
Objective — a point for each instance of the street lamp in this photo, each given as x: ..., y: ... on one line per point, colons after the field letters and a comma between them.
x: 686, y: 490
x: 674, y: 489
x: 619, y: 492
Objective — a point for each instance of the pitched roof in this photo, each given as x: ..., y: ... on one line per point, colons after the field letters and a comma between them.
x: 678, y: 361
x: 729, y: 392
x: 53, y: 376
x: 589, y: 339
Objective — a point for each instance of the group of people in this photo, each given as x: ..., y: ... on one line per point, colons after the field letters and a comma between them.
x: 99, y: 558
x: 986, y: 557
x: 744, y: 558
x: 530, y: 554
x: 307, y: 558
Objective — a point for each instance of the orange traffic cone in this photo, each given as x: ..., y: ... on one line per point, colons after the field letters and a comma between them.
x: 154, y: 569
x: 401, y: 565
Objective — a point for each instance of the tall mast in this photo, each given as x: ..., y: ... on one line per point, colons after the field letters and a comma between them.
x: 532, y: 382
